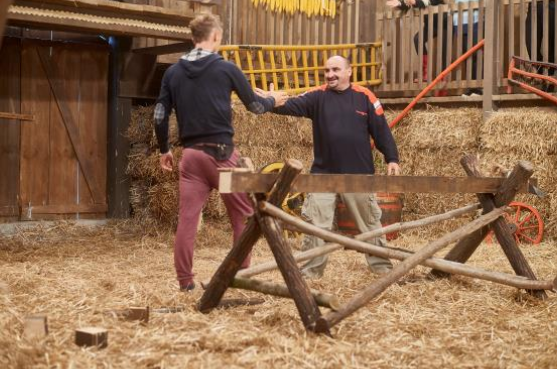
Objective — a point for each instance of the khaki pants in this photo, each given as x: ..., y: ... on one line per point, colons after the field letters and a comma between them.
x: 320, y: 208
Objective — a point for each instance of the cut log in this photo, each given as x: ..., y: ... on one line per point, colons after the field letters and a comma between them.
x: 325, y: 323
x: 280, y: 290
x: 91, y: 336
x: 227, y: 270
x: 389, y: 253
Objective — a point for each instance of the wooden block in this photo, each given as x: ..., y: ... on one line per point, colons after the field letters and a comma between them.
x: 138, y: 313
x: 91, y: 336
x: 35, y: 326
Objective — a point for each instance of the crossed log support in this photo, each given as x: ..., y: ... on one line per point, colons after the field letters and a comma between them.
x: 464, y: 249
x: 258, y: 224
x: 265, y: 222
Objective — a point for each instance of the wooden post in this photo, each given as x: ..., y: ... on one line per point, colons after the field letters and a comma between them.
x: 280, y: 290
x: 227, y: 270
x: 491, y: 57
x: 462, y: 251
x: 119, y: 117
x: 324, y: 324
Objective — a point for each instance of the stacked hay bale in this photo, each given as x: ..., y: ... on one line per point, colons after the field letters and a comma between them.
x: 431, y: 143
x: 264, y: 138
x: 525, y: 134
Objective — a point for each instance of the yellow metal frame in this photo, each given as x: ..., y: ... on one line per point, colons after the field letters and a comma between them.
x: 280, y: 64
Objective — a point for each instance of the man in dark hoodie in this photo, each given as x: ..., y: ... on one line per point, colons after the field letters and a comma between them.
x: 199, y: 89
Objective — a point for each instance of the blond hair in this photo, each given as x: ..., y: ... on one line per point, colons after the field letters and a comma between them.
x: 203, y: 25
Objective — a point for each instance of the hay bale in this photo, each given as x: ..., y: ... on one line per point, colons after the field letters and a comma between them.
x: 163, y: 203
x: 524, y: 134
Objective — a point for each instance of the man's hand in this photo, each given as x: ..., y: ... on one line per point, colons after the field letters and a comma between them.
x: 393, y: 169
x: 279, y: 96
x: 167, y: 161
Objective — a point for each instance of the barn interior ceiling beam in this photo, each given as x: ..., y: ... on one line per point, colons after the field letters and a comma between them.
x: 101, y: 16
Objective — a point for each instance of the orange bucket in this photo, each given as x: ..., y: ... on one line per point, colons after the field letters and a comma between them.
x: 391, y: 207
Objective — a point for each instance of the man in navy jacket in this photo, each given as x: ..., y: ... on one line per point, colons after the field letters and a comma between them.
x: 344, y: 118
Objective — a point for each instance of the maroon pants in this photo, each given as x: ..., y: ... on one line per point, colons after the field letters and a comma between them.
x: 198, y: 175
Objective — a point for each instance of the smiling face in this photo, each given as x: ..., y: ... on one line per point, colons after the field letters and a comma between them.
x: 338, y: 73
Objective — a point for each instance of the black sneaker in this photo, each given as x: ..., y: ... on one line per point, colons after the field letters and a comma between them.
x: 187, y: 287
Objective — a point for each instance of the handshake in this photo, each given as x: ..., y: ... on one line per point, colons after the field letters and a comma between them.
x: 280, y: 96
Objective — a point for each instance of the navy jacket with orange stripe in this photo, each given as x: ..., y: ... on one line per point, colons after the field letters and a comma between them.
x: 342, y: 125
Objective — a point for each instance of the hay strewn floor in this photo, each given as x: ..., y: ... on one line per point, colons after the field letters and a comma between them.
x: 75, y: 274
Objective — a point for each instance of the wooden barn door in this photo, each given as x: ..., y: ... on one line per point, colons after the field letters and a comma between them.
x: 64, y: 151
x: 9, y: 129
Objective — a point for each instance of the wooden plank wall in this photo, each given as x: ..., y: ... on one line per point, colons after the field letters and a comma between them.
x: 10, y: 65
x: 256, y: 25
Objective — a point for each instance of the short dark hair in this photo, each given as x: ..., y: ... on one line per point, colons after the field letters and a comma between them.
x: 202, y: 25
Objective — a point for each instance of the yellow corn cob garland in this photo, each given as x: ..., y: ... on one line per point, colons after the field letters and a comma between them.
x: 310, y: 7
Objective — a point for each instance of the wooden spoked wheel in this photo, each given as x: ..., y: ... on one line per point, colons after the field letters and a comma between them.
x: 525, y: 222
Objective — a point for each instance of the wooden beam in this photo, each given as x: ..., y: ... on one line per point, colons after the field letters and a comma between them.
x: 297, y: 287
x: 491, y: 57
x: 326, y: 249
x: 281, y: 290
x: 506, y: 193
x: 111, y: 8
x: 342, y: 183
x: 324, y: 324
x: 70, y: 19
x: 357, y: 244
x: 28, y: 117
x: 226, y: 272
x: 174, y: 48
x: 119, y: 118
x: 29, y: 211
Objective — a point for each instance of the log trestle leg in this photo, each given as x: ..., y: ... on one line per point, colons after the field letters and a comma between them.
x: 325, y: 323
x: 464, y: 249
x: 258, y: 224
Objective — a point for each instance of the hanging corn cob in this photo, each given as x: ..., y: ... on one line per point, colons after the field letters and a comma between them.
x: 327, y: 8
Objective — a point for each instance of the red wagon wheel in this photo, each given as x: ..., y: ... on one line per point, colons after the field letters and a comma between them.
x: 525, y: 222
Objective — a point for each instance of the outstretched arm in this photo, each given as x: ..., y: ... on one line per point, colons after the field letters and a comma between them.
x: 253, y: 102
x: 301, y: 106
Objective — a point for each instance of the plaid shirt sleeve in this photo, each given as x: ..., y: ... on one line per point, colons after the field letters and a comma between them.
x: 162, y: 112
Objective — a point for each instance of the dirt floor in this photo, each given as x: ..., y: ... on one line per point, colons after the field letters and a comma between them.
x: 76, y: 275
